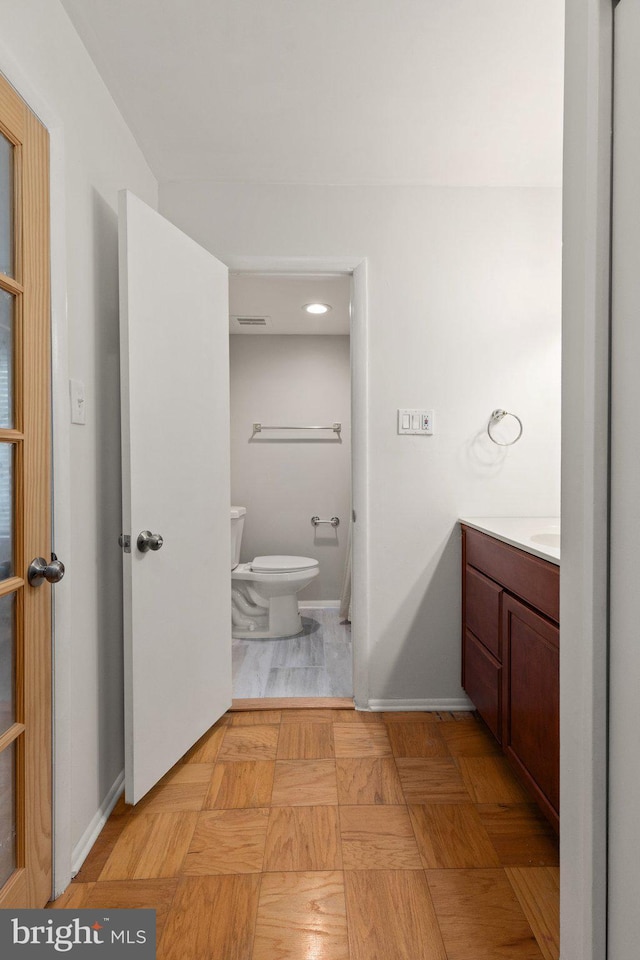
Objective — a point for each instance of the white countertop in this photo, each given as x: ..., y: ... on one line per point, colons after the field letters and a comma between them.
x: 536, y: 535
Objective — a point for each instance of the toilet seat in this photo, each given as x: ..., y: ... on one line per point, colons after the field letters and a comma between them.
x: 282, y: 564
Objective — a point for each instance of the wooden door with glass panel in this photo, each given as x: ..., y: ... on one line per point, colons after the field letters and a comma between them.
x: 25, y: 494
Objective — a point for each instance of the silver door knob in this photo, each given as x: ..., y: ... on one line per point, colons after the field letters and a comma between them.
x: 149, y: 541
x: 39, y: 571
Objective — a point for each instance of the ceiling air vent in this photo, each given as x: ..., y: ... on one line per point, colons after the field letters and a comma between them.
x: 250, y: 323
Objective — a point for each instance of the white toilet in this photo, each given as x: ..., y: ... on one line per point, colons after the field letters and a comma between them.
x: 264, y: 591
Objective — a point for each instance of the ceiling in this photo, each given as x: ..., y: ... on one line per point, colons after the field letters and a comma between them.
x: 459, y: 92
x: 281, y: 299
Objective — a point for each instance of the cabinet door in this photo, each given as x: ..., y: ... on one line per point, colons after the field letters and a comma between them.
x: 531, y: 724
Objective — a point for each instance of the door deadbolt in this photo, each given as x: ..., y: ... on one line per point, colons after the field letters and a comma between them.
x: 39, y: 571
x: 149, y: 541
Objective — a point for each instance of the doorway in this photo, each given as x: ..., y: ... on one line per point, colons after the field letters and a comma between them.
x: 290, y: 379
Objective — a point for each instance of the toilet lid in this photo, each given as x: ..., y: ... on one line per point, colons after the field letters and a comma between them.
x: 282, y: 564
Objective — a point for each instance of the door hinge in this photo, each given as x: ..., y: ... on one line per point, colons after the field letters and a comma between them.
x: 125, y: 542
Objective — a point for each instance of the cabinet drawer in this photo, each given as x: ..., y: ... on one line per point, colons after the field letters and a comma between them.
x: 536, y: 581
x: 482, y: 610
x: 482, y: 681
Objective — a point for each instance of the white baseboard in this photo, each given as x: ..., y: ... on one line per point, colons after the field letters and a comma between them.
x: 89, y: 837
x: 429, y: 706
x: 319, y: 605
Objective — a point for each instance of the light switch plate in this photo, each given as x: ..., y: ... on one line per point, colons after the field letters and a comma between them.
x: 415, y: 422
x: 76, y: 392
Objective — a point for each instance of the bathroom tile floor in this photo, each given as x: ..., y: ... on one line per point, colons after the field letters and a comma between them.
x: 337, y: 835
x: 317, y: 663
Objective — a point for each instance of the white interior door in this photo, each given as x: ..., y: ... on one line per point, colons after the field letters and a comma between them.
x: 174, y: 347
x: 624, y: 702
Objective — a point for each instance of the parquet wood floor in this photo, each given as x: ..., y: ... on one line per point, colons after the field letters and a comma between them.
x: 286, y: 834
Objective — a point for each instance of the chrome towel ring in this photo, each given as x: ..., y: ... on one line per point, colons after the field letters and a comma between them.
x: 496, y: 417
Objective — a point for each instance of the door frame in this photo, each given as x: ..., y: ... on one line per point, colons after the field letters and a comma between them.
x: 357, y: 268
x: 584, y: 598
x: 61, y: 469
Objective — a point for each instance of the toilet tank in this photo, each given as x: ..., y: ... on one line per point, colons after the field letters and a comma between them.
x: 237, y: 524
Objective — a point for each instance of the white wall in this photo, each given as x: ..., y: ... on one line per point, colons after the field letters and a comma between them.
x: 41, y: 51
x: 464, y: 316
x: 284, y: 482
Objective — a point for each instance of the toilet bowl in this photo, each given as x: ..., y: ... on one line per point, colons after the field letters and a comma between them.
x: 264, y: 591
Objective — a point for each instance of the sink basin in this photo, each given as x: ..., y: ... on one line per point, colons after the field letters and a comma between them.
x: 550, y: 539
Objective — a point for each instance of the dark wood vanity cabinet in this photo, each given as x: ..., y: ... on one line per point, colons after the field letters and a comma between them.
x: 510, y: 656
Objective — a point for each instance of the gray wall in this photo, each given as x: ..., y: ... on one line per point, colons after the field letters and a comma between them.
x: 285, y: 478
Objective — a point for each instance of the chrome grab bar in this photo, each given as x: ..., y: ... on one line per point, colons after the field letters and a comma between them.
x: 259, y: 427
x: 334, y: 521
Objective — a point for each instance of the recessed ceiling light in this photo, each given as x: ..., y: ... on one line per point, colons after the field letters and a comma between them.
x: 317, y: 307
